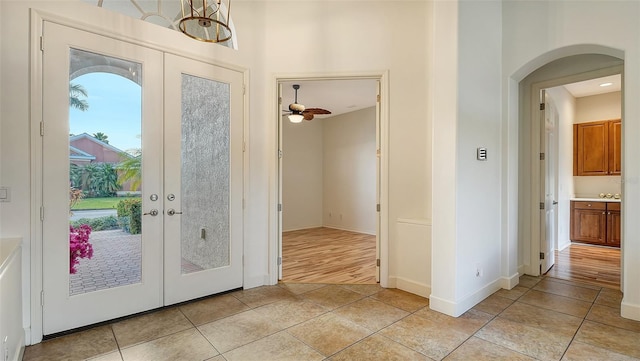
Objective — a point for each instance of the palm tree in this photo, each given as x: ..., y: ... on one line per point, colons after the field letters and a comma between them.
x: 129, y: 168
x: 101, y: 137
x: 76, y: 91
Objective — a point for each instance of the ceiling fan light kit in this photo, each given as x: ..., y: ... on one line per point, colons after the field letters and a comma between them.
x: 299, y: 112
x: 205, y: 21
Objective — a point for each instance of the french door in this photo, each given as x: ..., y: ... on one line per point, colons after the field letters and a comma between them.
x: 159, y: 138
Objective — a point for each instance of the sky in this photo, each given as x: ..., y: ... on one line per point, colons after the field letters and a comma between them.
x: 114, y: 109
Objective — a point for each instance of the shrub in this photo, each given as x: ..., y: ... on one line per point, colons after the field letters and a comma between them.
x: 98, y: 224
x: 132, y: 209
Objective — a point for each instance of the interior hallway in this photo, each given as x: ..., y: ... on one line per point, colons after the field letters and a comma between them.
x: 542, y: 318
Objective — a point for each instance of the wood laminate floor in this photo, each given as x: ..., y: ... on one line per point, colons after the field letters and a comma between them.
x: 326, y: 255
x: 590, y: 264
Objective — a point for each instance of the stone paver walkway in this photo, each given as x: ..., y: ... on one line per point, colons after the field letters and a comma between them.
x: 116, y: 262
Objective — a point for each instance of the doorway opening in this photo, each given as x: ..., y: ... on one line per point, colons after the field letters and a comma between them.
x: 535, y: 247
x: 329, y: 182
x: 586, y: 181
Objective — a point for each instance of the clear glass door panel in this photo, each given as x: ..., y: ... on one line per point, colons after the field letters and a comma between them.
x: 205, y: 174
x: 105, y: 153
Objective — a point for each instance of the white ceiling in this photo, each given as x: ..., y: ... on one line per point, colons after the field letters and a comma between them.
x: 337, y: 96
x: 592, y: 87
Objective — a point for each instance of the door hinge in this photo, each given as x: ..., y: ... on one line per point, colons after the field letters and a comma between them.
x: 244, y: 89
x: 378, y: 207
x: 541, y: 156
x: 541, y: 205
x: 279, y: 261
x: 280, y: 100
x: 41, y: 43
x: 244, y: 146
x: 279, y: 207
x: 42, y: 298
x: 41, y: 128
x: 41, y: 213
x: 541, y: 255
x: 542, y: 106
x: 378, y: 262
x: 378, y: 98
x: 279, y: 153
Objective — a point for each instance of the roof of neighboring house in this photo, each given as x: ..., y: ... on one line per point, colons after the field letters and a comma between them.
x: 77, y: 154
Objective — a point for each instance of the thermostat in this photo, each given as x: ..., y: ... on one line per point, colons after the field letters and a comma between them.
x: 482, y: 153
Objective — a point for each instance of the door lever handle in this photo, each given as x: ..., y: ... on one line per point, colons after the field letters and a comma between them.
x: 172, y: 211
x: 153, y: 212
x: 555, y: 202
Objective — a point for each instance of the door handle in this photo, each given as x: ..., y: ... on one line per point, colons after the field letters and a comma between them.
x: 153, y: 212
x: 554, y: 202
x: 172, y: 211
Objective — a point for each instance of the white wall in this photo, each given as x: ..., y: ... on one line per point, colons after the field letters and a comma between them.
x: 467, y: 192
x: 337, y: 39
x: 565, y: 104
x: 302, y: 174
x: 329, y: 172
x: 350, y: 171
x: 535, y: 33
x: 599, y: 107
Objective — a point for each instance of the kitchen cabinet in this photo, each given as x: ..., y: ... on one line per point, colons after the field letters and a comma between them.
x: 595, y: 222
x: 596, y: 148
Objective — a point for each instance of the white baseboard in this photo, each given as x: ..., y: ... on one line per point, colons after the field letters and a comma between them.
x: 417, y: 288
x: 521, y: 269
x: 510, y: 282
x: 350, y: 230
x: 456, y: 309
x: 301, y: 228
x: 562, y: 246
x: 630, y: 310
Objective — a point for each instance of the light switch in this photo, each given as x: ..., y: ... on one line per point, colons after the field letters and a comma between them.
x: 5, y: 194
x: 481, y: 153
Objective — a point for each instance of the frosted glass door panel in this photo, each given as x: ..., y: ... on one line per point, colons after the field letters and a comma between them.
x: 205, y: 174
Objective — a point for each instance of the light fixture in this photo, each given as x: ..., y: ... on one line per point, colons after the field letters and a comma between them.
x: 295, y: 118
x: 606, y: 84
x: 205, y: 20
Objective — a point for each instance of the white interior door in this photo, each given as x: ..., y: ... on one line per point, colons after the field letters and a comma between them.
x: 549, y: 221
x: 203, y: 173
x: 124, y: 275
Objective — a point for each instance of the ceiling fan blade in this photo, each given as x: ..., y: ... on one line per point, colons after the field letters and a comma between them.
x: 307, y: 115
x: 317, y: 111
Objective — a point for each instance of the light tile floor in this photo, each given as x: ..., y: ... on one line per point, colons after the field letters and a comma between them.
x: 541, y: 319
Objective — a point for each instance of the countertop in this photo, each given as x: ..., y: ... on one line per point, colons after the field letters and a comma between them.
x: 596, y: 199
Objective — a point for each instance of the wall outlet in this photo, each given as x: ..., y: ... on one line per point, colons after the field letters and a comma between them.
x: 479, y: 272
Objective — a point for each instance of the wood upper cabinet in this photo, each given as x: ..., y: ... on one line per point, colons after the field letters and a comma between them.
x: 615, y: 147
x: 595, y: 222
x: 596, y: 148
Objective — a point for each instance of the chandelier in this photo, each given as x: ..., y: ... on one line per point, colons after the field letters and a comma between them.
x: 206, y: 20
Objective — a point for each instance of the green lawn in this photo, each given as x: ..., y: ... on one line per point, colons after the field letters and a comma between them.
x: 99, y: 203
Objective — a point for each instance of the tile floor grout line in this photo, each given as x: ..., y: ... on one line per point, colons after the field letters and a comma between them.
x: 579, y: 327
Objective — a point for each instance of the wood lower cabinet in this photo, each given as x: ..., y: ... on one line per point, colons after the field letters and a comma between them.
x: 596, y: 223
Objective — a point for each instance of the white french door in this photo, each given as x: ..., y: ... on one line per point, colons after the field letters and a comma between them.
x: 185, y: 174
x: 203, y: 179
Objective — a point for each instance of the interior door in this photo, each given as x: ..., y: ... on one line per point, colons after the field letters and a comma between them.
x: 549, y: 222
x: 378, y: 179
x: 124, y: 274
x: 203, y: 179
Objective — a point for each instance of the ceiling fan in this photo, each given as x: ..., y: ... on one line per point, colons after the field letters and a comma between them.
x: 297, y: 112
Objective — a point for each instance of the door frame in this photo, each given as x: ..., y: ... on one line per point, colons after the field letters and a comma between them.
x: 275, y: 233
x: 532, y: 217
x: 95, y: 20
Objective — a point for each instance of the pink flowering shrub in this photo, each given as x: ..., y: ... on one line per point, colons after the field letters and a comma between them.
x: 79, y: 245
